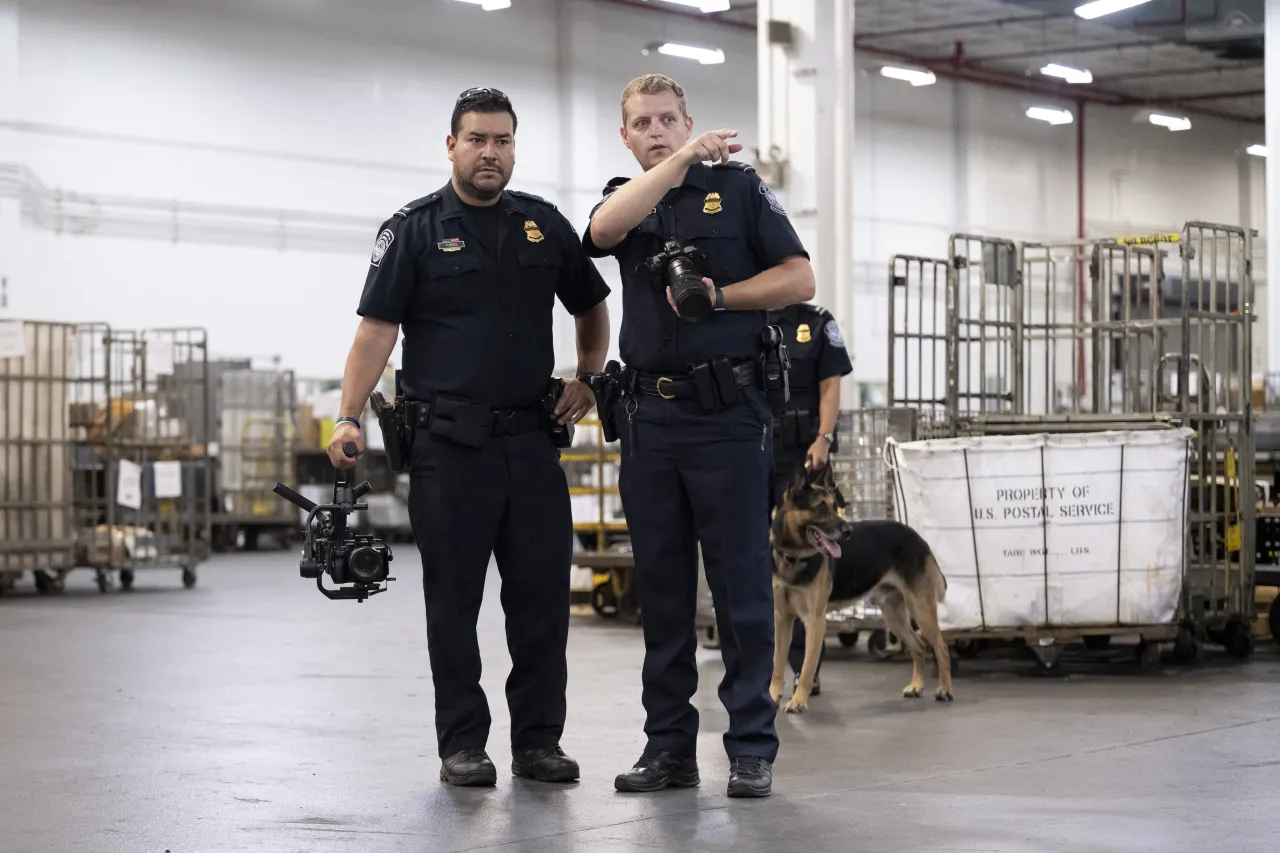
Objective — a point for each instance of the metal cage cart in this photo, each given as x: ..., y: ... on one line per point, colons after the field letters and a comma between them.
x: 860, y: 472
x: 142, y: 482
x: 1087, y: 336
x: 38, y: 372
x: 256, y: 434
x: 599, y: 524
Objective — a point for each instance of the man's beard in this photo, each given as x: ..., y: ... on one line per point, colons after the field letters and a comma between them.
x: 482, y: 193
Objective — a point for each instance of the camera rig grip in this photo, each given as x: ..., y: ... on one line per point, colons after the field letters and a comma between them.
x: 330, y: 521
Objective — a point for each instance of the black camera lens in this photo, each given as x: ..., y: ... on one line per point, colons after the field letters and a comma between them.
x: 688, y: 291
x: 365, y: 565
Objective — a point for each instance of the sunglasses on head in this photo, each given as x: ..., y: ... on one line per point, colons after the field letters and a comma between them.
x: 482, y: 91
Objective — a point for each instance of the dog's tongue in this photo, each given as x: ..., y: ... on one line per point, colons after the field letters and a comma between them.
x: 823, y: 543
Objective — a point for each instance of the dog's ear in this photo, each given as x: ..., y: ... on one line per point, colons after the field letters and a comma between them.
x: 840, y: 501
x: 799, y: 482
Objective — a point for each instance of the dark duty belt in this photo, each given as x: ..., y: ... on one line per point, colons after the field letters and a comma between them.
x: 680, y: 386
x: 500, y: 421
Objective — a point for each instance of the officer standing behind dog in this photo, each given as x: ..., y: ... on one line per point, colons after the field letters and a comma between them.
x: 694, y: 424
x: 804, y: 428
x: 471, y: 272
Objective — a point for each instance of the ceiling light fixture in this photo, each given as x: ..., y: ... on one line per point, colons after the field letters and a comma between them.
x: 704, y: 55
x: 1174, y: 123
x: 911, y: 75
x: 1067, y: 73
x: 1098, y: 8
x: 704, y: 6
x: 490, y: 5
x: 1050, y: 115
x: 1257, y: 150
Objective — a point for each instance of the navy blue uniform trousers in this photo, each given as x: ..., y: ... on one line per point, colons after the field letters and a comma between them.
x: 686, y: 479
x: 786, y: 463
x: 510, y: 500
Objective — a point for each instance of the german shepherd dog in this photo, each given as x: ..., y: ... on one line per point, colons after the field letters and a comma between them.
x: 821, y: 560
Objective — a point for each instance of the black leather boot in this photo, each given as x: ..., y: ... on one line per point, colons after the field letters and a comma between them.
x: 544, y: 764
x: 656, y: 770
x: 750, y: 777
x: 469, y: 768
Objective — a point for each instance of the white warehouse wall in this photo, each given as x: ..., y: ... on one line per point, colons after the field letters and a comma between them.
x: 229, y: 169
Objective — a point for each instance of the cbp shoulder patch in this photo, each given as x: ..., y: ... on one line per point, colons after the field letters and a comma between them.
x: 833, y: 334
x: 774, y: 204
x: 381, y: 245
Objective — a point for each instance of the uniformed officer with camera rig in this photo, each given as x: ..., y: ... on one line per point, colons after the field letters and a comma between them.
x: 804, y: 427
x: 471, y: 273
x: 705, y: 252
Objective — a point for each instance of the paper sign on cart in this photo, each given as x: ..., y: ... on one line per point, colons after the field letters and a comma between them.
x: 168, y: 479
x: 13, y: 339
x: 160, y: 355
x: 129, y: 485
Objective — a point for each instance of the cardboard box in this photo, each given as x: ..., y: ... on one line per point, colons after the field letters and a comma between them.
x: 308, y: 427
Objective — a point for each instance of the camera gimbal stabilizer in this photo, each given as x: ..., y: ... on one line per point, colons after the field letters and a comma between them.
x: 330, y: 548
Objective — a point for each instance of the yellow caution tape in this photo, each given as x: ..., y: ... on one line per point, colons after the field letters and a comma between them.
x: 1148, y: 240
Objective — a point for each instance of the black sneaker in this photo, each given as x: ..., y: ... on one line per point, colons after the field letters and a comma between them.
x: 750, y: 777
x: 656, y: 770
x: 544, y: 764
x: 469, y: 768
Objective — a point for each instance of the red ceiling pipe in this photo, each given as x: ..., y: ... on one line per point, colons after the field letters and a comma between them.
x: 947, y: 28
x: 713, y: 18
x: 1029, y: 84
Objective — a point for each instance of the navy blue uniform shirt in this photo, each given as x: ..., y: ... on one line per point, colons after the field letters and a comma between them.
x: 817, y: 351
x: 732, y: 216
x: 477, y: 317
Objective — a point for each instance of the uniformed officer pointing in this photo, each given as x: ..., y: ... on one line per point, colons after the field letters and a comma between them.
x: 471, y: 273
x: 804, y: 427
x: 694, y: 425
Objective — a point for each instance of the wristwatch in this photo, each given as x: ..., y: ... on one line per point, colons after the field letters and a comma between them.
x: 719, y: 299
x: 831, y: 439
x: 345, y: 420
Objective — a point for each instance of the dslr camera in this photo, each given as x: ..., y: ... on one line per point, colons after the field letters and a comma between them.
x: 679, y: 268
x: 358, y: 563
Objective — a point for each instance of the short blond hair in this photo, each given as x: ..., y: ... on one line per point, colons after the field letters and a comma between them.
x: 652, y: 84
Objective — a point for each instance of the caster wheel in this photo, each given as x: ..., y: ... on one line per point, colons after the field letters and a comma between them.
x: 1238, y: 639
x: 1048, y: 658
x: 126, y: 578
x: 1273, y: 620
x: 188, y: 578
x: 47, y: 584
x: 1187, y: 647
x: 104, y: 581
x: 1147, y: 652
x: 967, y: 648
x: 1097, y: 642
x: 602, y: 601
x: 878, y: 645
x: 848, y: 639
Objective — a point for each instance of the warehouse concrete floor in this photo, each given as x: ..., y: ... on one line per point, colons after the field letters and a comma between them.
x: 251, y: 714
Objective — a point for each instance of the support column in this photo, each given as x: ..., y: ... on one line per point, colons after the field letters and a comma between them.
x: 10, y: 206
x: 806, y: 104
x: 1272, y: 216
x: 842, y: 155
